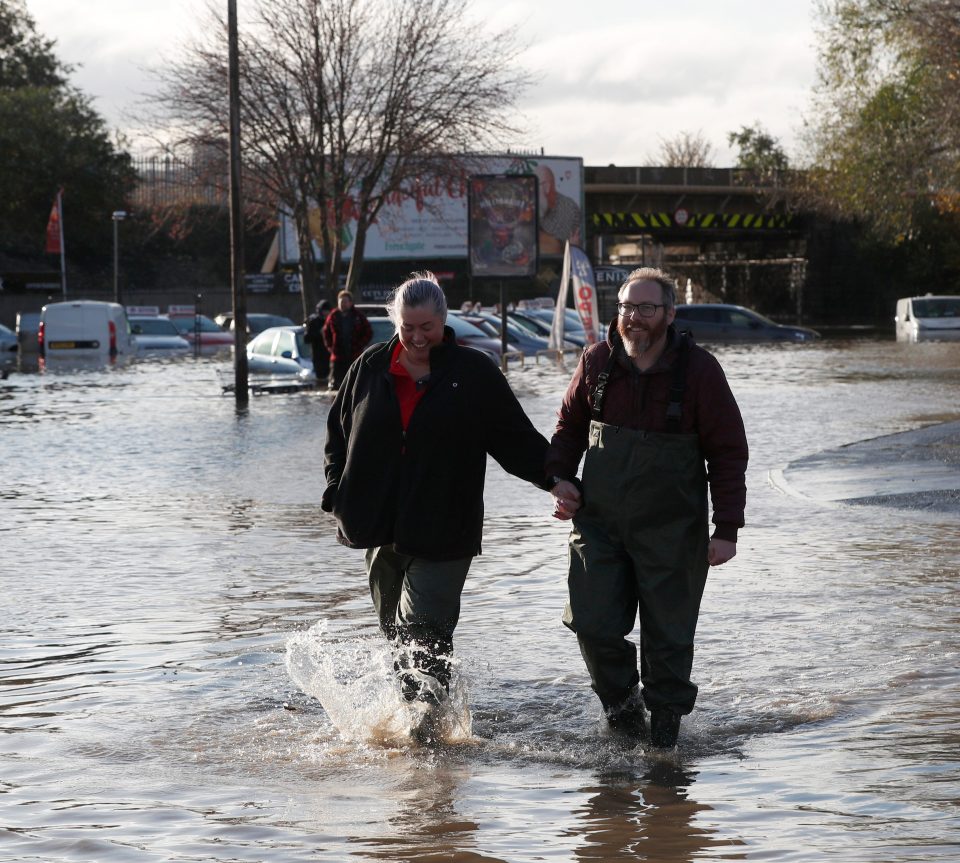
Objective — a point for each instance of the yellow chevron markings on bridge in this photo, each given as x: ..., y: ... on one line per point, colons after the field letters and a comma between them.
x: 647, y: 221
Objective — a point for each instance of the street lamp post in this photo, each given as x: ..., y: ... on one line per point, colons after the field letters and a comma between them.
x: 118, y: 216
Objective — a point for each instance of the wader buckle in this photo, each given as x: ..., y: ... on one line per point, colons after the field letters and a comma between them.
x: 598, y: 394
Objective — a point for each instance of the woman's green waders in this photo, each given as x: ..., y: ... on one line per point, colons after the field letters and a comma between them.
x: 639, y: 542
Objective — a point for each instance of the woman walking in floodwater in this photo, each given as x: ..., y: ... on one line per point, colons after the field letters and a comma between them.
x: 407, y: 443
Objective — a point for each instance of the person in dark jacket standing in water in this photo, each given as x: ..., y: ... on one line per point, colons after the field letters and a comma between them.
x: 650, y: 408
x: 313, y: 336
x: 407, y: 442
x: 346, y: 332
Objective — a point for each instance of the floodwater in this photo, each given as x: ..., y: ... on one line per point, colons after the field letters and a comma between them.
x: 190, y: 669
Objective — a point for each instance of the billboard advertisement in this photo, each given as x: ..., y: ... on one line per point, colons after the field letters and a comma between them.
x: 502, y: 223
x: 433, y: 221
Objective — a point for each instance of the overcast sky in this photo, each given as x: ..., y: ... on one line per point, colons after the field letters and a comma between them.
x: 614, y: 77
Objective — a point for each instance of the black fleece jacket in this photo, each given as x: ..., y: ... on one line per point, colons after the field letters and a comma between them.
x: 422, y: 490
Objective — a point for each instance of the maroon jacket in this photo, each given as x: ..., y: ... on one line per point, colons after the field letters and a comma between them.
x: 638, y: 400
x: 361, y: 334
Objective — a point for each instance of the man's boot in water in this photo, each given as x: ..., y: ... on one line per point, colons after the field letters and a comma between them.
x: 664, y: 728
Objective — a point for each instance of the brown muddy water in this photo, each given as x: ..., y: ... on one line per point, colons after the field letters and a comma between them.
x: 190, y: 668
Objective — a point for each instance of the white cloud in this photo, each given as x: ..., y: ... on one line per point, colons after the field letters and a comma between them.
x: 612, y: 76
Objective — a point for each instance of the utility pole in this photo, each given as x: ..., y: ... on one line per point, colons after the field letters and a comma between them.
x: 241, y: 370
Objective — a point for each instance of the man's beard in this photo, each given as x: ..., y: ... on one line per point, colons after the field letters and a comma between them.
x: 638, y: 341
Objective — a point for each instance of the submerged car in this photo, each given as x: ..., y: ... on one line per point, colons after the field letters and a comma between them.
x: 541, y: 325
x: 8, y: 340
x: 281, y: 351
x: 199, y: 329
x: 27, y: 329
x: 383, y: 330
x: 518, y: 339
x: 153, y: 333
x: 721, y: 322
x: 466, y: 334
x: 573, y: 331
x: 258, y: 322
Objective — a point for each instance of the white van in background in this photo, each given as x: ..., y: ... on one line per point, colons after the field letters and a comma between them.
x: 84, y: 329
x: 922, y: 319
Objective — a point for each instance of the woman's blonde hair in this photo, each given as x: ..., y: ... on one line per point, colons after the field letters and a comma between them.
x: 419, y: 289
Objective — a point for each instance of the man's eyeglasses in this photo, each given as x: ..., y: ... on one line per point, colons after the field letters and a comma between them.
x: 645, y: 310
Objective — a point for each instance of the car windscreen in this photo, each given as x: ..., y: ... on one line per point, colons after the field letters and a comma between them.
x: 463, y: 329
x: 940, y: 307
x: 153, y: 327
x: 532, y: 325
x: 571, y: 317
x: 192, y: 325
x: 383, y: 330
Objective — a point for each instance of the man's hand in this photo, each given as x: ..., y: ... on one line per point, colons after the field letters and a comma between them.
x: 720, y: 551
x: 566, y: 500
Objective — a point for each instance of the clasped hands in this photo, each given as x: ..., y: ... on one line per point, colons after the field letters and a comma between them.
x: 566, y: 500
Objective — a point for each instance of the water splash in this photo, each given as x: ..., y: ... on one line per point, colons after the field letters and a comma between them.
x: 355, y: 682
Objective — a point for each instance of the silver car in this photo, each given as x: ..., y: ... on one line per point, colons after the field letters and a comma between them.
x: 281, y: 351
x: 154, y: 334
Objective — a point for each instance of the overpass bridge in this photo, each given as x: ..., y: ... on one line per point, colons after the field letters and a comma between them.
x: 730, y: 231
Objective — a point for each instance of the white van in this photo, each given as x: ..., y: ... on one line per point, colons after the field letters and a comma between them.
x: 921, y: 319
x: 84, y: 329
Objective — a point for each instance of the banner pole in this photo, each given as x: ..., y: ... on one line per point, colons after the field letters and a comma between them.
x: 63, y: 249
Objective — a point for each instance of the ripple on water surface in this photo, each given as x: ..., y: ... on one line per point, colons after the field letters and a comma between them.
x: 190, y: 667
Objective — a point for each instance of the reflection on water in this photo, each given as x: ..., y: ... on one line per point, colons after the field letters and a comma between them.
x: 190, y: 668
x: 651, y: 817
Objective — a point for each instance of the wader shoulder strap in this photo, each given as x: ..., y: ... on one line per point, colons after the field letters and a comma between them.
x: 600, y: 390
x: 675, y: 399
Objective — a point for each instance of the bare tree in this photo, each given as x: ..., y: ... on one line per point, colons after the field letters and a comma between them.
x: 686, y: 150
x: 346, y: 104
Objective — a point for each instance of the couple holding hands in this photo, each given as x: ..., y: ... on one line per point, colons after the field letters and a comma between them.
x: 407, y: 440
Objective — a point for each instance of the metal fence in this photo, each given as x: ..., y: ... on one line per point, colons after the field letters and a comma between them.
x: 165, y: 181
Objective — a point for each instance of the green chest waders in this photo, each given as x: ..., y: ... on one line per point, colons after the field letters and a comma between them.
x: 639, y: 545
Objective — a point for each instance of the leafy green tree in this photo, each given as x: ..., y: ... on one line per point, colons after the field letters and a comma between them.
x: 759, y: 152
x: 26, y: 59
x: 50, y: 136
x: 883, y: 135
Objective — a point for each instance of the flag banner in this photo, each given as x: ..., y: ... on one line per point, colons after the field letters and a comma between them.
x: 555, y: 342
x: 53, y: 246
x: 585, y: 293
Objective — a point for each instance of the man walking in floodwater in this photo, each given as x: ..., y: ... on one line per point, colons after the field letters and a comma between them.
x: 650, y: 408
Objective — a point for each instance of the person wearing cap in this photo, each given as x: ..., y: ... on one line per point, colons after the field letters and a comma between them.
x: 660, y: 427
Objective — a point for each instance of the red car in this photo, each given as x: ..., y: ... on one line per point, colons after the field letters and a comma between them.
x: 202, y: 328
